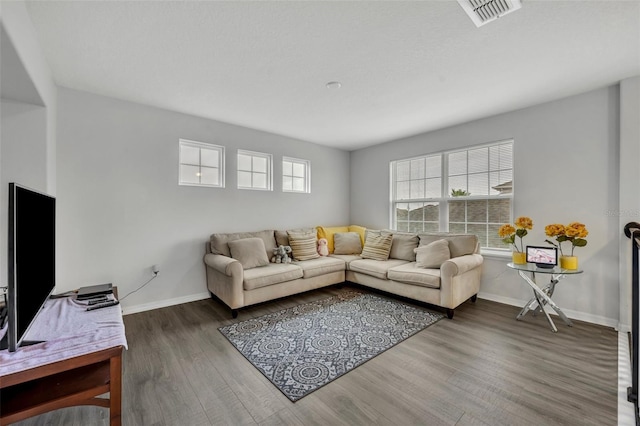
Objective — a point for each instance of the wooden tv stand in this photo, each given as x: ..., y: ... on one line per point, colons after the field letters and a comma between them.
x: 74, y: 381
x: 77, y: 380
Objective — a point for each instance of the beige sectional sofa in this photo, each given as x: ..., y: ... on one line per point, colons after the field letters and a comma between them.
x: 239, y: 275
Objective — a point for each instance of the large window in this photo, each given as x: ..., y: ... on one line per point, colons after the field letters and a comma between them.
x: 254, y: 170
x: 295, y: 175
x: 468, y: 191
x: 201, y: 164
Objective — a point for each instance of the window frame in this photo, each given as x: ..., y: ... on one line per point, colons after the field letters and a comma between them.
x: 200, y: 146
x: 307, y: 175
x: 268, y: 174
x: 445, y: 197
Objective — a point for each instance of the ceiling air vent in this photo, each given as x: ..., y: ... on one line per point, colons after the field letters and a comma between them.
x: 484, y: 11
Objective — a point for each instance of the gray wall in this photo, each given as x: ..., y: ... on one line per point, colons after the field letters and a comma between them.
x: 566, y: 169
x: 28, y: 114
x: 121, y: 210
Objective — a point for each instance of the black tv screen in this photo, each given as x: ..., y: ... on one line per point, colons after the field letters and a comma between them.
x: 31, y: 258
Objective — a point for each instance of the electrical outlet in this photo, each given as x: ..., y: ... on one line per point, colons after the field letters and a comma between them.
x: 155, y: 269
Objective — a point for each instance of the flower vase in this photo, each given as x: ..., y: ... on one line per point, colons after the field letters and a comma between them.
x: 569, y: 262
x: 519, y: 258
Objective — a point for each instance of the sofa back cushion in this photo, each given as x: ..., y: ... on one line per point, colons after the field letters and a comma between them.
x: 377, y: 245
x: 459, y: 244
x: 250, y: 252
x: 303, y: 245
x: 220, y: 242
x: 403, y: 245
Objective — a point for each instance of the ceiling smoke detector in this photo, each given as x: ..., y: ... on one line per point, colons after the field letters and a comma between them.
x: 484, y: 11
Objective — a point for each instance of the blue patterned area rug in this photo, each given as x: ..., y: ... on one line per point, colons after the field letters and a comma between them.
x: 303, y: 348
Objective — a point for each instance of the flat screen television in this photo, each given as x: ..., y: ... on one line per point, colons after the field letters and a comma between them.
x: 543, y: 257
x: 31, y: 260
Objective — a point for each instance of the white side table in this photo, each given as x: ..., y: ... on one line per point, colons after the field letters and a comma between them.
x: 542, y: 296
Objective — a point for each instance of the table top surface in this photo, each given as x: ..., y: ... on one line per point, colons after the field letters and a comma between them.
x: 66, y: 330
x: 531, y: 267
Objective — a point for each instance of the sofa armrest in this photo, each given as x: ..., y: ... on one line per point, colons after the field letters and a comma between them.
x: 225, y: 279
x: 460, y: 265
x: 223, y: 264
x: 460, y: 279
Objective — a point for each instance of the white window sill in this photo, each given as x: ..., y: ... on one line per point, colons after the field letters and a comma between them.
x: 496, y: 253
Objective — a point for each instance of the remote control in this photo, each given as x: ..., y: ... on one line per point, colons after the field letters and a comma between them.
x: 103, y: 305
x: 95, y: 301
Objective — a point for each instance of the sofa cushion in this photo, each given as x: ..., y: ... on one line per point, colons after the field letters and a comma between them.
x: 273, y: 273
x: 409, y: 273
x: 220, y: 242
x: 347, y: 243
x: 347, y: 258
x: 303, y: 245
x: 377, y: 245
x: 282, y: 238
x: 249, y: 251
x: 320, y: 266
x: 402, y: 246
x: 375, y: 268
x: 459, y: 244
x: 433, y: 254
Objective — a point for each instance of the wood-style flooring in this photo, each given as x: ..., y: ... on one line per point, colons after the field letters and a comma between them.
x: 481, y: 368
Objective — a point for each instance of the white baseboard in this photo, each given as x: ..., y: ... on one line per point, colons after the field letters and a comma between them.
x: 577, y: 315
x: 626, y: 409
x: 164, y: 303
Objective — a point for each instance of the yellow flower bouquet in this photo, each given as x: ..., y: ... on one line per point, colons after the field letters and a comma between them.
x: 575, y: 232
x: 508, y: 233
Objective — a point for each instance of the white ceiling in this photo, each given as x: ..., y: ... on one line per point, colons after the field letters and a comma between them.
x: 405, y: 67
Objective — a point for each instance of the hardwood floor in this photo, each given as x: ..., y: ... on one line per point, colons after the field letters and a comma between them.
x: 481, y: 368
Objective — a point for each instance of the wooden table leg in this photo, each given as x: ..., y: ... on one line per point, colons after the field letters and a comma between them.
x: 115, y: 391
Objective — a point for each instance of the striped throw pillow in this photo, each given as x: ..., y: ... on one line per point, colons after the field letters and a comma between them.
x: 377, y: 246
x: 303, y: 245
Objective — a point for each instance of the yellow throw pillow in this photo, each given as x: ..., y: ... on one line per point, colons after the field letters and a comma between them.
x: 361, y: 230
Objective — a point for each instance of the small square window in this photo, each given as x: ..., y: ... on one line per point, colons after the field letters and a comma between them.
x: 201, y: 164
x: 296, y: 175
x: 254, y: 170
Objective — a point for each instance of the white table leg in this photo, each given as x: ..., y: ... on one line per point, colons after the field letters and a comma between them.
x: 542, y: 297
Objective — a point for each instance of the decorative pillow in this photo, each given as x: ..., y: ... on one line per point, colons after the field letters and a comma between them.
x: 250, y: 252
x: 403, y: 245
x: 377, y: 246
x: 282, y: 238
x: 303, y: 245
x: 328, y: 232
x: 219, y: 242
x: 433, y: 255
x: 347, y: 243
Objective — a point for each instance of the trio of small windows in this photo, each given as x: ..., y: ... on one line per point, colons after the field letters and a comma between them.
x: 202, y: 164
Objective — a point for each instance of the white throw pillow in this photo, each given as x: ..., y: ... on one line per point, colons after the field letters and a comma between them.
x: 303, y: 245
x: 250, y: 252
x: 433, y: 255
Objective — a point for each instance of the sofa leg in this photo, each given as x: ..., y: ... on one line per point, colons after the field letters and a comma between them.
x: 474, y: 298
x: 449, y: 313
x: 234, y: 313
